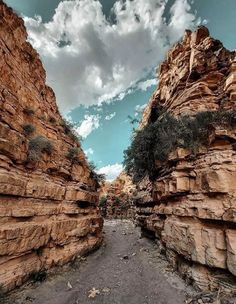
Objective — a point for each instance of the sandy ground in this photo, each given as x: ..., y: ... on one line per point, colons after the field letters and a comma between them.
x: 125, y: 270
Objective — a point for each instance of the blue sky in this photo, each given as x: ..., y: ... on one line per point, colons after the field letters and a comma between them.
x: 101, y: 59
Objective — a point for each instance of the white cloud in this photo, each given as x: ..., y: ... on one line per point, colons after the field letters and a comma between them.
x: 110, y: 116
x: 89, y: 60
x: 146, y: 84
x: 111, y: 171
x: 90, y: 123
x: 139, y: 109
x: 89, y: 151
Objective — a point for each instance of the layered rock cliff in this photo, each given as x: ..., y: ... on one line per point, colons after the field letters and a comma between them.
x: 189, y: 206
x: 116, y: 199
x: 48, y: 194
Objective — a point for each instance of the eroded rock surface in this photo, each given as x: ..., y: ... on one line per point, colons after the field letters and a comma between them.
x: 48, y: 206
x: 190, y: 207
x: 117, y: 198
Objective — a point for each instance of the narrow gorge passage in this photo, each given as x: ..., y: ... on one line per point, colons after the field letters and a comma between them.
x: 125, y: 270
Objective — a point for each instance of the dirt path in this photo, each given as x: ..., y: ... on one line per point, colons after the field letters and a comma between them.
x: 125, y: 270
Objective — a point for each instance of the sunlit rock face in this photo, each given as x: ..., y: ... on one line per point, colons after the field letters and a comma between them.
x: 48, y: 207
x: 119, y: 196
x: 190, y: 206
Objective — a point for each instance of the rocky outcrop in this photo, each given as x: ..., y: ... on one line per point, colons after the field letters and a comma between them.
x: 48, y: 196
x: 190, y: 206
x: 116, y: 200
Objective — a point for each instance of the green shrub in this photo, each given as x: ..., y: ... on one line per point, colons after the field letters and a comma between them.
x: 92, y: 166
x: 2, y: 293
x: 29, y: 111
x: 103, y: 202
x: 37, y: 146
x: 234, y: 146
x: 38, y: 276
x: 52, y: 120
x: 74, y: 136
x: 116, y: 201
x: 72, y: 155
x: 68, y: 129
x: 28, y: 129
x: 124, y: 206
x: 155, y: 141
x: 66, y: 126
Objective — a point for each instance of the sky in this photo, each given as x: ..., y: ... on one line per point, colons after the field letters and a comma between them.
x: 101, y: 58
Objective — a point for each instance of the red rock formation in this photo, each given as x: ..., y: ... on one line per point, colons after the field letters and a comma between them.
x: 48, y: 212
x: 191, y: 205
x: 118, y: 197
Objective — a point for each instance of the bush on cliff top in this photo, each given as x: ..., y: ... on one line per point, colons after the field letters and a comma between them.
x: 69, y: 130
x: 156, y: 140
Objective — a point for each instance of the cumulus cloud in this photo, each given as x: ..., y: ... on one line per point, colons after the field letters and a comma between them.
x: 139, y: 109
x: 110, y: 116
x: 90, y: 123
x: 111, y: 171
x: 89, y: 151
x: 90, y: 60
x: 144, y: 85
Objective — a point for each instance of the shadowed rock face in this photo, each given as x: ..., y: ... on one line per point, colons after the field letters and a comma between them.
x: 191, y: 205
x: 48, y: 202
x: 119, y: 198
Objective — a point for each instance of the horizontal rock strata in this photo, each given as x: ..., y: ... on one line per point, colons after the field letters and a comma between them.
x: 117, y: 198
x: 48, y: 197
x: 190, y: 207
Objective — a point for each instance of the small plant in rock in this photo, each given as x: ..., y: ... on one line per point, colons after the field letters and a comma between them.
x: 103, y: 206
x: 74, y: 136
x: 103, y: 202
x: 234, y: 146
x: 68, y: 129
x: 73, y: 154
x: 28, y: 129
x: 29, y: 111
x: 38, y: 276
x: 2, y: 294
x: 52, y: 120
x: 66, y: 126
x: 133, y: 120
x: 117, y: 201
x: 37, y: 146
x: 124, y: 206
x: 99, y: 178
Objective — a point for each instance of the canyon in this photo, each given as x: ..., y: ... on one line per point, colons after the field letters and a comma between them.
x: 189, y: 206
x: 48, y: 193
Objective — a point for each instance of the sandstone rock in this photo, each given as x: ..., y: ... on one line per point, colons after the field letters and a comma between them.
x: 119, y: 198
x: 231, y: 250
x: 190, y: 205
x: 48, y: 208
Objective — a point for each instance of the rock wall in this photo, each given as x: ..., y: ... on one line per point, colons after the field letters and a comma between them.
x: 190, y: 207
x: 118, y: 198
x: 48, y: 196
